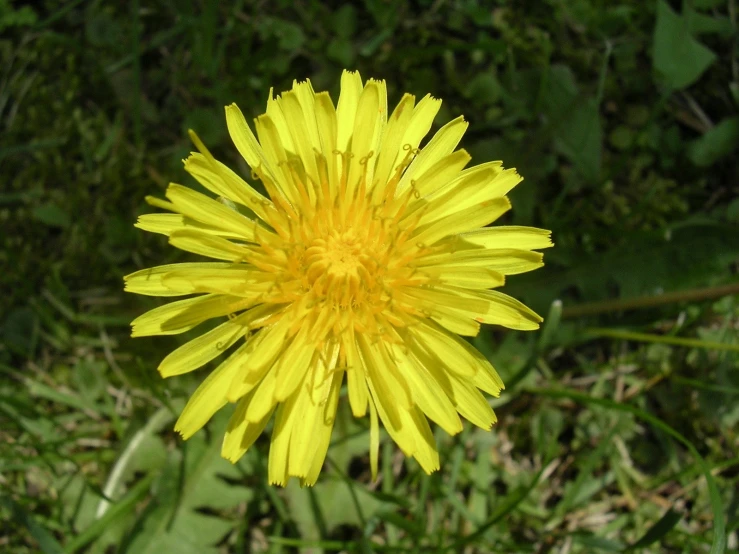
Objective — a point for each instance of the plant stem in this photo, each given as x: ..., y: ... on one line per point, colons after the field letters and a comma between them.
x: 622, y: 304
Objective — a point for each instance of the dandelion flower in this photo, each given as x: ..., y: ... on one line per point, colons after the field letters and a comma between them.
x: 365, y: 261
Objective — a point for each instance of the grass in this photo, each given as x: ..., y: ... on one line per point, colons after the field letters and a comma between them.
x: 617, y: 429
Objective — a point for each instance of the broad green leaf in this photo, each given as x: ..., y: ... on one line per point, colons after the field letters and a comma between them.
x: 192, y: 481
x: 734, y: 89
x: 560, y: 88
x: 20, y: 17
x: 579, y: 137
x: 575, y: 121
x: 706, y: 24
x: 341, y: 50
x: 19, y: 332
x: 484, y: 89
x: 345, y: 21
x: 52, y: 215
x: 732, y: 211
x: 707, y: 4
x: 332, y: 503
x: 622, y: 137
x: 716, y: 144
x: 678, y: 59
x: 691, y: 254
x: 290, y: 36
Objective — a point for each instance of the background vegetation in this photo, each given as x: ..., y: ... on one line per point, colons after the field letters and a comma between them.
x: 618, y: 429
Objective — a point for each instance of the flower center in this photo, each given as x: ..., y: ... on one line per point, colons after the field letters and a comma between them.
x: 338, y: 267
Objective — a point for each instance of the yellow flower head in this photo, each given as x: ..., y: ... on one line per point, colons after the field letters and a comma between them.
x: 368, y: 258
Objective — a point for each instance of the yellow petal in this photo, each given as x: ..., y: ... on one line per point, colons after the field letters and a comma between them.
x: 212, y: 344
x: 323, y: 433
x: 293, y: 365
x: 208, y: 398
x: 166, y: 224
x: 441, y: 145
x: 464, y: 276
x: 466, y: 399
x: 458, y: 324
x: 311, y: 433
x: 473, y: 186
x: 522, y: 238
x: 421, y: 120
x: 206, y: 210
x: 498, y: 187
x: 280, y: 446
x: 201, y: 350
x: 427, y: 394
x: 356, y: 377
x: 159, y: 203
x: 364, y: 132
x: 210, y: 246
x: 425, y: 454
x: 162, y: 224
x: 263, y: 350
x: 235, y: 279
x: 327, y: 129
x: 392, y: 144
x: 513, y: 262
x: 219, y: 179
x: 463, y: 354
x: 182, y: 315
x: 388, y: 381
x: 264, y: 400
x: 452, y: 312
x: 442, y: 347
x: 471, y: 404
x: 488, y: 380
x: 447, y: 202
x: 447, y: 306
x: 301, y: 137
x: 507, y: 311
x: 503, y: 183
x: 351, y: 88
x: 411, y: 432
x: 374, y: 440
x: 149, y: 281
x: 240, y: 433
x: 442, y: 172
x: 475, y: 216
x: 245, y: 141
x: 307, y: 97
x: 277, y: 115
x: 275, y: 150
x: 502, y: 261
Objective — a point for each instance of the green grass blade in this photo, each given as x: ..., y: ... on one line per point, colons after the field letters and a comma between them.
x: 647, y: 337
x: 46, y: 542
x: 696, y: 384
x: 124, y: 506
x: 509, y: 504
x: 718, y: 545
x: 657, y: 531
